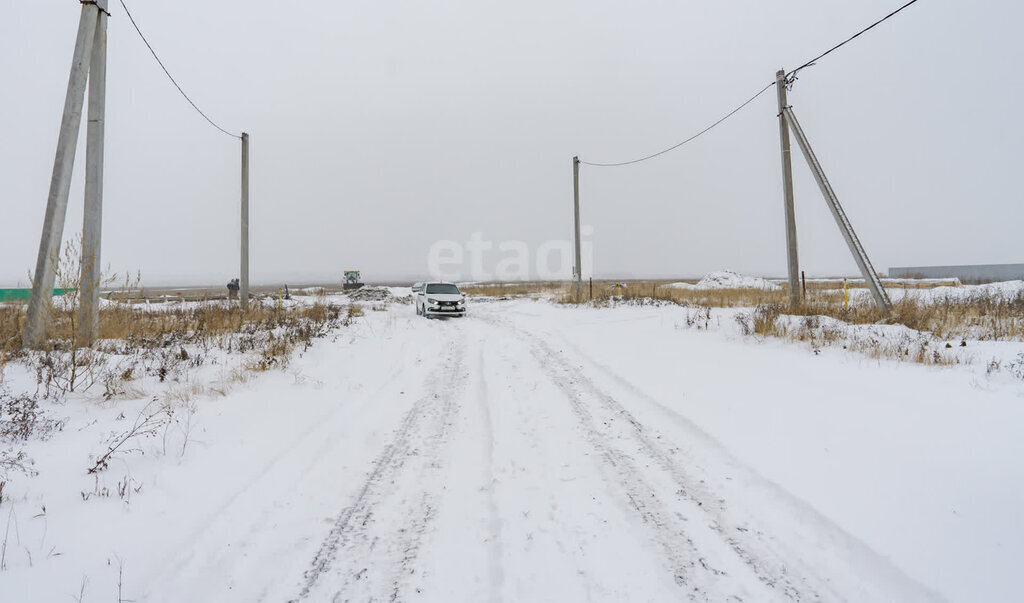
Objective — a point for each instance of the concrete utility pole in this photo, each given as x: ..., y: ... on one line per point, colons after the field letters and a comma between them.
x: 793, y: 261
x: 578, y: 268
x: 83, y: 58
x: 92, y: 227
x: 859, y: 254
x: 243, y: 289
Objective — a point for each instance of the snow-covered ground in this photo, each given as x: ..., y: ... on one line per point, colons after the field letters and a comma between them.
x: 538, y: 452
x: 1004, y: 291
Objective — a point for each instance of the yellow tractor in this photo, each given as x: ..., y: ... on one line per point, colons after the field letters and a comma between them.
x: 351, y: 280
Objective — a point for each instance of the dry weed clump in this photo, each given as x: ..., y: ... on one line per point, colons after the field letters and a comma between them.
x: 21, y: 418
x: 148, y: 424
x: 12, y: 324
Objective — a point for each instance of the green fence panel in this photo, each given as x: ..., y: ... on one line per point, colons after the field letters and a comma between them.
x: 9, y: 295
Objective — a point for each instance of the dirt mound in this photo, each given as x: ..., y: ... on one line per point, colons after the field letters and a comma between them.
x: 371, y: 294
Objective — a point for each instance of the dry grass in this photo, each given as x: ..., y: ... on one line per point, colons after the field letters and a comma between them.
x: 136, y: 324
x: 977, y: 318
x: 721, y: 298
x: 602, y: 291
x: 158, y: 338
x: 523, y: 289
x: 12, y: 323
x: 914, y: 346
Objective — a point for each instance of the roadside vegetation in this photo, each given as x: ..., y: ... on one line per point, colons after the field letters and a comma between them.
x: 919, y: 329
x: 144, y: 351
x: 141, y: 349
x: 975, y: 317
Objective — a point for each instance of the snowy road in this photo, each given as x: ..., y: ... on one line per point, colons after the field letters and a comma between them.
x: 505, y: 472
x: 533, y: 453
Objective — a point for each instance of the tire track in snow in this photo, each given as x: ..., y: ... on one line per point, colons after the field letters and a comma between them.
x: 613, y: 422
x: 497, y: 576
x: 378, y: 553
x: 771, y: 571
x: 784, y: 568
x: 782, y: 564
x: 690, y: 569
x: 298, y: 458
x: 571, y: 514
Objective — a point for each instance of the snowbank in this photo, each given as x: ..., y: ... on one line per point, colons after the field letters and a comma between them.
x: 727, y: 279
x: 1005, y: 291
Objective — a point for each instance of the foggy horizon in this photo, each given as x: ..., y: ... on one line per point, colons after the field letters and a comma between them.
x: 380, y: 130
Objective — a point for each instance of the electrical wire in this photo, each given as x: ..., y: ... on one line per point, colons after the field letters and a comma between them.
x: 169, y: 76
x: 789, y: 79
x: 679, y: 144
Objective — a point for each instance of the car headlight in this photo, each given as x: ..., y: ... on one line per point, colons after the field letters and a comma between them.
x: 432, y: 300
x: 461, y: 301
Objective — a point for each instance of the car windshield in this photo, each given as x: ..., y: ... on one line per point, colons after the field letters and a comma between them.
x: 442, y: 288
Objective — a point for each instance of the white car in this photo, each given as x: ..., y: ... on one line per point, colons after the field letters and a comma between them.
x: 440, y: 299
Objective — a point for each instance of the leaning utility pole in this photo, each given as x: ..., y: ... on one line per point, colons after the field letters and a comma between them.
x: 243, y: 286
x: 578, y: 268
x: 792, y: 258
x: 859, y: 254
x: 88, y: 63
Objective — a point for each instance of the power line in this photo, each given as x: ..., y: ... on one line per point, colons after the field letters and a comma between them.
x: 677, y: 145
x: 790, y: 78
x: 791, y: 75
x: 173, y: 81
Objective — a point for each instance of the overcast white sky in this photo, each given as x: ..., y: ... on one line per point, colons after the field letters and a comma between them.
x: 379, y: 128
